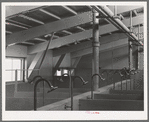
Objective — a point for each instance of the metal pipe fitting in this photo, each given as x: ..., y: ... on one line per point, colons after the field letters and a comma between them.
x: 35, y: 87
x: 92, y: 97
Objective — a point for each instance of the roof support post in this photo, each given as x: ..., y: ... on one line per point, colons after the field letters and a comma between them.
x: 95, y: 45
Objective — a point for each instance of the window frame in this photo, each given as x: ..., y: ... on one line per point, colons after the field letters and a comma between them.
x: 22, y: 67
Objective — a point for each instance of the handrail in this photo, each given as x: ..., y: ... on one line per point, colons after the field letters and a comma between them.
x: 20, y: 69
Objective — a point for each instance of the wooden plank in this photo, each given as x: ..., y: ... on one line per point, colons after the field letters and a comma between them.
x: 119, y: 97
x: 117, y: 105
x: 82, y: 35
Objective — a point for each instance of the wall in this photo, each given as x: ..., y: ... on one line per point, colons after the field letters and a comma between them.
x: 16, y: 51
x: 120, y: 60
x: 118, y: 56
x: 66, y: 62
x: 46, y: 67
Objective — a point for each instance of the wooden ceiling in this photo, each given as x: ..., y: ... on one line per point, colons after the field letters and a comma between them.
x: 72, y: 24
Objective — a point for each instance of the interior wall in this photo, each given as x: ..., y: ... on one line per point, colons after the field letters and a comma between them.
x: 16, y: 51
x: 66, y: 62
x: 46, y: 67
x: 118, y: 56
x: 113, y: 59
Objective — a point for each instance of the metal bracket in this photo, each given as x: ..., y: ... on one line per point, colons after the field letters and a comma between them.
x: 95, y: 44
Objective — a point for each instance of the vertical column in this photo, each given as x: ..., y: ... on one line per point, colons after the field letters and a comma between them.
x: 129, y: 49
x: 129, y: 60
x: 16, y: 77
x: 95, y: 45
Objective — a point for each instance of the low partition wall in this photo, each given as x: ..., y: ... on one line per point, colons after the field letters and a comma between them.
x: 61, y: 104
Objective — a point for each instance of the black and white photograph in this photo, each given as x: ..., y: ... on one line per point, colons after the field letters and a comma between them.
x: 74, y: 61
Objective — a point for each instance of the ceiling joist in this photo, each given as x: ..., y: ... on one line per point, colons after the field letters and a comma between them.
x: 56, y: 26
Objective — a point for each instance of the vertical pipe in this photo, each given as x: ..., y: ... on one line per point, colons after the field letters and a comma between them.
x: 35, y: 98
x: 130, y: 47
x: 23, y: 61
x: 43, y: 93
x: 129, y: 59
x: 96, y: 45
x: 71, y: 89
x: 131, y: 21
x: 121, y: 83
x: 92, y: 81
x: 138, y: 32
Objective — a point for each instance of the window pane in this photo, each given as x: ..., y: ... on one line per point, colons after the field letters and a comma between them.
x: 8, y: 64
x: 11, y: 65
x: 58, y: 73
x: 19, y: 75
x: 8, y: 76
x: 16, y: 64
x: 65, y: 71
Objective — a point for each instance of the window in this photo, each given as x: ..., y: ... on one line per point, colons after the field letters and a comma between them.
x: 14, y: 68
x: 62, y: 71
x: 58, y: 73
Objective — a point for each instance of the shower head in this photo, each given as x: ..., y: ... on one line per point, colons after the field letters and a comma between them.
x: 52, y: 89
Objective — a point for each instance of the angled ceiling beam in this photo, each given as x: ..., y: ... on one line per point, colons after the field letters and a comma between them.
x: 40, y: 39
x: 20, y: 23
x: 55, y: 26
x: 31, y: 19
x: 65, y: 31
x: 82, y: 35
x: 70, y: 10
x: 29, y: 43
x: 135, y: 12
x: 16, y: 25
x: 12, y: 10
x: 50, y: 14
x: 104, y: 47
x: 55, y: 16
x: 80, y: 28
